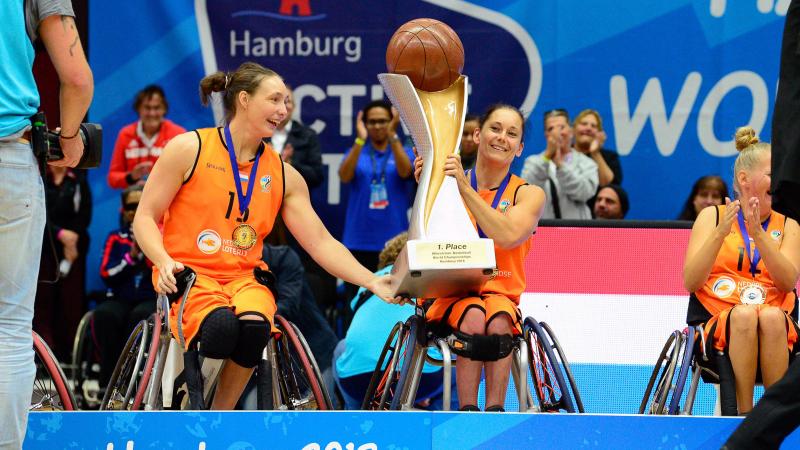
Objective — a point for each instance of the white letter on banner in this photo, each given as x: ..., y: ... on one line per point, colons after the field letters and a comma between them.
x: 244, y: 43
x: 333, y: 161
x: 308, y: 90
x: 666, y: 130
x: 346, y: 92
x: 705, y: 120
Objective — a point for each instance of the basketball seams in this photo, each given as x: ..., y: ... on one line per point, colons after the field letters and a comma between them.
x: 408, y: 54
x: 435, y: 34
x: 400, y: 53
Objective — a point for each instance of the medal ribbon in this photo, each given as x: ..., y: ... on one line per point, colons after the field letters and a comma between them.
x: 473, y: 180
x: 756, y: 258
x: 244, y: 199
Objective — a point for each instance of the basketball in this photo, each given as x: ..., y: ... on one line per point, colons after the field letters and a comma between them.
x: 427, y: 51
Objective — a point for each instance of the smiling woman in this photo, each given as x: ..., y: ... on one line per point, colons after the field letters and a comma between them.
x: 203, y: 188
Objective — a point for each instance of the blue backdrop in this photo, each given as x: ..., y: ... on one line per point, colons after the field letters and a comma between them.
x: 672, y: 79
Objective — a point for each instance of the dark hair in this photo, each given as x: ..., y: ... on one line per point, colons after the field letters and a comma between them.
x: 472, y: 117
x: 376, y: 104
x: 245, y: 78
x: 131, y: 189
x: 624, y: 202
x: 148, y: 92
x: 706, y: 182
x: 497, y: 106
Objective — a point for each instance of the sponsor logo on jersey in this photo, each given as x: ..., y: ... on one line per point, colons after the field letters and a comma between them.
x: 209, y: 242
x: 776, y: 234
x: 266, y: 183
x: 504, y: 206
x: 723, y: 287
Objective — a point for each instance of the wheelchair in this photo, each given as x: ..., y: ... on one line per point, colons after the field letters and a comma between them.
x: 155, y: 373
x: 85, y: 367
x: 539, y: 369
x: 685, y: 351
x: 51, y: 391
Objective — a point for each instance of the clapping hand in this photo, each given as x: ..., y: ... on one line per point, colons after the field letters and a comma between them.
x: 726, y: 221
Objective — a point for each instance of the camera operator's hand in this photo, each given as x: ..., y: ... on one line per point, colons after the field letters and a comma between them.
x: 72, y: 147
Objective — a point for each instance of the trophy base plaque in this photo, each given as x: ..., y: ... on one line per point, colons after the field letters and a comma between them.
x: 436, y: 268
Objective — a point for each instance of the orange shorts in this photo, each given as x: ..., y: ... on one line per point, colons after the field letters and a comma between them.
x: 451, y: 310
x: 721, y: 331
x: 243, y: 295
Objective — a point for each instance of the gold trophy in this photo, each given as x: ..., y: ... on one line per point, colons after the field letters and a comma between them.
x: 444, y: 256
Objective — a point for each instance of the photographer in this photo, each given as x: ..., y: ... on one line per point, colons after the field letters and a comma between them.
x: 22, y: 210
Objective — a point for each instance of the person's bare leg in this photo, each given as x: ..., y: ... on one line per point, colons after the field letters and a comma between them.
x: 468, y: 371
x: 497, y: 372
x: 773, y: 353
x: 232, y: 380
x: 743, y: 351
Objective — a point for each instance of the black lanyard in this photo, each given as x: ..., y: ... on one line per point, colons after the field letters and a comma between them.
x: 756, y: 258
x: 244, y: 199
x: 497, y: 195
x: 383, y: 167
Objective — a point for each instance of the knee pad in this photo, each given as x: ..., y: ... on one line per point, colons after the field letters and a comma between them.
x: 480, y: 347
x: 253, y: 337
x: 219, y: 334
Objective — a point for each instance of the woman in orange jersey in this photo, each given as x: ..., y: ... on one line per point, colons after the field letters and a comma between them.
x: 505, y: 209
x: 218, y: 192
x: 742, y: 265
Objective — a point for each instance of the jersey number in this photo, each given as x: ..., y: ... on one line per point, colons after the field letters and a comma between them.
x: 231, y: 197
x: 740, y: 265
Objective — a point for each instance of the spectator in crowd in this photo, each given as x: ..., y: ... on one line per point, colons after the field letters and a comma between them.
x: 140, y: 144
x: 709, y: 190
x: 22, y: 204
x: 469, y: 148
x: 744, y: 302
x: 357, y: 354
x: 127, y: 274
x: 611, y: 202
x: 298, y: 145
x: 377, y: 170
x: 590, y: 139
x: 568, y: 177
x: 60, y: 298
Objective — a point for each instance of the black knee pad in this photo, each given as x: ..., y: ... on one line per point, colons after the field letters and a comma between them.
x: 219, y: 334
x: 480, y: 347
x: 253, y: 337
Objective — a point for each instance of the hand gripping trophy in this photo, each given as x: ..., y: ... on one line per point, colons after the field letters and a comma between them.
x: 444, y: 255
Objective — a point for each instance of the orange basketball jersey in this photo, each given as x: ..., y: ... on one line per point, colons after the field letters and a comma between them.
x: 203, y: 227
x: 730, y: 274
x: 509, y: 279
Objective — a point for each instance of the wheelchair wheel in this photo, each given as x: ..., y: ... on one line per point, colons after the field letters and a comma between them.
x: 548, y: 380
x: 410, y: 348
x: 50, y: 390
x: 383, y: 382
x: 299, y: 379
x: 154, y: 324
x: 86, y: 363
x: 683, y: 373
x: 576, y: 396
x: 127, y: 373
x: 660, y: 383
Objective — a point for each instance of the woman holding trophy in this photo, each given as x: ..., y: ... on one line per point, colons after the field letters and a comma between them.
x: 741, y: 267
x: 505, y: 209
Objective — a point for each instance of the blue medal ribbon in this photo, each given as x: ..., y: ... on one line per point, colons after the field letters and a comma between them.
x: 756, y: 258
x: 244, y: 199
x: 473, y: 180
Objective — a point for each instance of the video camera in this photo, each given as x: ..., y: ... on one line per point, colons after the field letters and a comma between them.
x: 46, y: 143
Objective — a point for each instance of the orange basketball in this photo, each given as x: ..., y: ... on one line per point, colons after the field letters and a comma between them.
x: 427, y: 51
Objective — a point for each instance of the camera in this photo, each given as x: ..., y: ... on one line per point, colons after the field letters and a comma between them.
x: 46, y: 143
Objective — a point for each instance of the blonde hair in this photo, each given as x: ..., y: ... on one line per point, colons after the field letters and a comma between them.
x: 588, y: 112
x: 751, y: 151
x: 392, y: 248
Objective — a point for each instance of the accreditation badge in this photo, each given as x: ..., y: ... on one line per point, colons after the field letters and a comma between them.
x: 244, y: 236
x: 753, y: 294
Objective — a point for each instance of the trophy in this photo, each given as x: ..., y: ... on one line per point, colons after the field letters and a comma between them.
x: 444, y: 256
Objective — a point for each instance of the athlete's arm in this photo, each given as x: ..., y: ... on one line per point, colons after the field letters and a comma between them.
x: 307, y: 228
x: 704, y: 244
x: 168, y: 174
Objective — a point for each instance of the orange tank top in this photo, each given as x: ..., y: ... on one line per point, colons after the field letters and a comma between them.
x: 509, y: 279
x: 731, y: 275
x: 203, y: 227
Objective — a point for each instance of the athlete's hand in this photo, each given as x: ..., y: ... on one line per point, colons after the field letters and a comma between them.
x: 753, y: 220
x: 382, y: 287
x: 417, y: 165
x: 166, y: 278
x: 453, y: 168
x: 726, y: 221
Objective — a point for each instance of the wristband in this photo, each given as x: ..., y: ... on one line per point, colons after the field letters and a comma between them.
x: 360, y: 141
x: 70, y: 137
x: 129, y: 259
x: 394, y: 138
x: 544, y: 157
